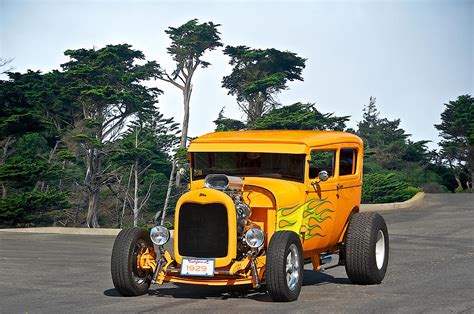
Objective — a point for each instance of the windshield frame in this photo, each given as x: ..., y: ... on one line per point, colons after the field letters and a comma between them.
x: 299, y: 179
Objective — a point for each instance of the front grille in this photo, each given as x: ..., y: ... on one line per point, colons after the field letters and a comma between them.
x: 203, y: 230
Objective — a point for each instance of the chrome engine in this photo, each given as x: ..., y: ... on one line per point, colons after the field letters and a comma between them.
x: 249, y: 237
x: 232, y: 186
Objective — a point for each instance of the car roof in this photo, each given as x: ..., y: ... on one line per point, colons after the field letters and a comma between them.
x: 291, y: 141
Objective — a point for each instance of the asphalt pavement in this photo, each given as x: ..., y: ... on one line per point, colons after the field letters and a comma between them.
x: 431, y: 269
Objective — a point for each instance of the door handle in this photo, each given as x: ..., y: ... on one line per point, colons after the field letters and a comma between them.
x: 339, y: 186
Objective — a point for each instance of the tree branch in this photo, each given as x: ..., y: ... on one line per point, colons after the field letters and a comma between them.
x: 147, y: 195
x: 170, y: 80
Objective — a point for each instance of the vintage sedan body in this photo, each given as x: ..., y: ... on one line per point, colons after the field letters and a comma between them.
x: 260, y: 205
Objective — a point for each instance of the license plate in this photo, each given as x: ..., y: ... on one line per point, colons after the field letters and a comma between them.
x: 197, y: 267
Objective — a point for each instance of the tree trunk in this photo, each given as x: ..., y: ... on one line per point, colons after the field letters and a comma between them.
x: 3, y: 159
x: 458, y: 180
x: 92, y: 219
x: 52, y: 153
x: 168, y: 193
x: 256, y: 108
x: 61, y: 178
x: 186, y: 101
x: 125, y: 196
x: 472, y: 181
x: 92, y: 186
x: 184, y: 132
x: 135, y: 197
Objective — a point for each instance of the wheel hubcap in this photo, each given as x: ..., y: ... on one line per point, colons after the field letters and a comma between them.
x: 292, y: 267
x: 380, y: 249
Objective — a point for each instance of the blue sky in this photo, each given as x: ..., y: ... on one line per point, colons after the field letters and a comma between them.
x: 413, y: 56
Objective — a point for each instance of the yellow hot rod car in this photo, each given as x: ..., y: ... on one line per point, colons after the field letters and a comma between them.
x: 261, y: 204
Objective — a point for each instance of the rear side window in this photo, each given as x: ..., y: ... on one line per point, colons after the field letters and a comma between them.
x: 347, y: 161
x: 322, y: 160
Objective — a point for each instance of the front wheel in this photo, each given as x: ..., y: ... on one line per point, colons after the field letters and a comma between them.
x: 128, y: 278
x: 367, y: 249
x: 285, y: 266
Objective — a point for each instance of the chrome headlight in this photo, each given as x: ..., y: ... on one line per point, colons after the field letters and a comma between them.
x: 254, y: 237
x: 159, y: 235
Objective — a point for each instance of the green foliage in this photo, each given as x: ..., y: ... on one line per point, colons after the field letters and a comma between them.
x: 146, y: 147
x: 457, y: 121
x: 88, y: 140
x: 258, y: 75
x: 66, y: 155
x: 457, y: 133
x: 385, y: 188
x: 35, y: 102
x: 446, y: 176
x: 434, y: 187
x: 379, y: 132
x: 189, y: 43
x: 293, y: 117
x: 459, y: 189
x: 31, y: 207
x: 371, y: 167
x: 299, y: 117
x: 68, y: 134
x: 19, y: 172
x: 416, y: 151
x: 32, y: 145
x: 149, y: 140
x: 261, y: 71
x: 106, y: 83
x: 19, y: 124
x: 227, y: 124
x: 26, y: 178
x: 390, y: 153
x: 33, y: 115
x: 169, y: 225
x: 47, y: 94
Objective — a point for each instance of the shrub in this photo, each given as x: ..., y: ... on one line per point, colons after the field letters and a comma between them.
x: 29, y: 207
x: 434, y: 187
x: 385, y: 188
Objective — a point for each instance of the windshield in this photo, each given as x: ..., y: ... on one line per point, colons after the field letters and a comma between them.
x: 281, y: 166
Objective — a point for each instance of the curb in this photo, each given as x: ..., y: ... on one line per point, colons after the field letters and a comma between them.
x: 414, y: 201
x: 65, y: 230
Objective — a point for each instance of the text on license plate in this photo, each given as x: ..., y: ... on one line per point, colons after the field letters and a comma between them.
x: 197, y: 267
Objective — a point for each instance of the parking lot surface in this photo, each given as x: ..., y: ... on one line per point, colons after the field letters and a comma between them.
x: 431, y: 269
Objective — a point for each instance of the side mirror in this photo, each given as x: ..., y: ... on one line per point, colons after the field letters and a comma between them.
x: 323, y: 175
x: 182, y: 171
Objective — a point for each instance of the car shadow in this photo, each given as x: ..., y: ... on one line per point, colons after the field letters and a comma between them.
x: 180, y: 291
x: 314, y: 278
x: 112, y: 293
x: 183, y: 291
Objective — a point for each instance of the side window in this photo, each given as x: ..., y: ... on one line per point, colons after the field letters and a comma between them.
x: 322, y: 160
x: 347, y: 161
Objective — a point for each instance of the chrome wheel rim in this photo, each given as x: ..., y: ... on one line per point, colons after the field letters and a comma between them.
x: 292, y: 267
x: 380, y: 249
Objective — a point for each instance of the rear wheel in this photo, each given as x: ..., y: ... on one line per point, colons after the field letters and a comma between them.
x: 367, y: 247
x: 128, y: 277
x: 285, y: 266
